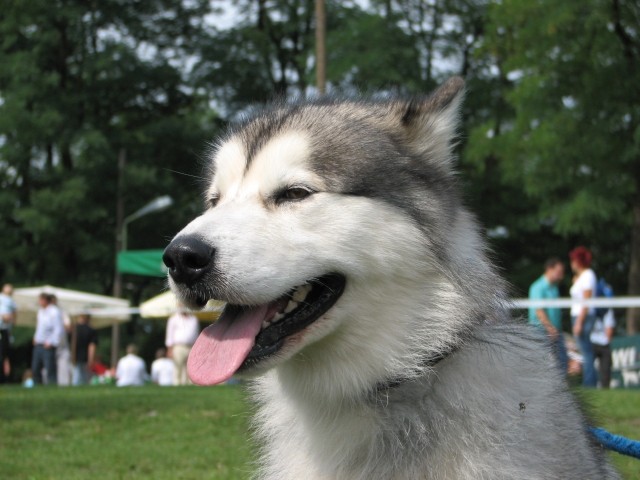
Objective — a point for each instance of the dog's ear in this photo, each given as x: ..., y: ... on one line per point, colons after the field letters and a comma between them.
x: 429, y: 124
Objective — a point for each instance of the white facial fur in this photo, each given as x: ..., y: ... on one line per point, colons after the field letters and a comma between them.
x: 264, y: 249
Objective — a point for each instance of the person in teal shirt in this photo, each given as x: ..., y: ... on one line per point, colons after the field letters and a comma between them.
x: 549, y: 319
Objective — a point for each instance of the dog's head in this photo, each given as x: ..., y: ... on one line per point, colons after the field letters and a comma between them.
x: 319, y: 217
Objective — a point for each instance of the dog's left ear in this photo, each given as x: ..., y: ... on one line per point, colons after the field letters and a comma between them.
x: 429, y: 124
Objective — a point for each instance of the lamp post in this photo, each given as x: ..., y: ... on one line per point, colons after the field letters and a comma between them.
x: 154, y: 205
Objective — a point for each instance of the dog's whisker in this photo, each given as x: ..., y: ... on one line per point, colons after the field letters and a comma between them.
x: 183, y: 173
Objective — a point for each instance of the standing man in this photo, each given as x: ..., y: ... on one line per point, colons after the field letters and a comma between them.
x: 85, y: 341
x: 182, y: 331
x: 8, y: 311
x: 63, y: 352
x: 49, y: 330
x: 547, y: 318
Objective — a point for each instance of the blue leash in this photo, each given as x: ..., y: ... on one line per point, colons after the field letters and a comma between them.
x: 617, y: 443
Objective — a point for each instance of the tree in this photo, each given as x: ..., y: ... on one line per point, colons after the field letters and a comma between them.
x: 263, y: 55
x: 573, y: 143
x: 81, y: 81
x: 269, y: 53
x: 549, y: 149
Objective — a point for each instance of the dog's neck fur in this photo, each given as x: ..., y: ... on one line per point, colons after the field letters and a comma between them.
x: 298, y: 416
x: 347, y: 431
x: 443, y: 424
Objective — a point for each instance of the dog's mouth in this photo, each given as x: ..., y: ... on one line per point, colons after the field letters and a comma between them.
x: 246, y: 335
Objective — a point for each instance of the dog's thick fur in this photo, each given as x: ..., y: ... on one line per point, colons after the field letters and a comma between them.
x: 417, y: 371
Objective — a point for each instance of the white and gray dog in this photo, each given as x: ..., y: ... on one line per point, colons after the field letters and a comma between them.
x: 361, y: 299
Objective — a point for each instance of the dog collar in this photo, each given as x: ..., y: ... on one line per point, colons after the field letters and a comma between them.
x: 429, y: 362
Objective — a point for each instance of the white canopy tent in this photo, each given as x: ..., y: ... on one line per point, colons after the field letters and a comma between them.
x: 166, y: 304
x: 105, y: 311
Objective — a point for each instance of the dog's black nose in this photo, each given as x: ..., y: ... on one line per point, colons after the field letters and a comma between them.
x: 188, y: 259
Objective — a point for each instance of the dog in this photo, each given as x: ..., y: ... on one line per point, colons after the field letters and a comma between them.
x: 362, y: 303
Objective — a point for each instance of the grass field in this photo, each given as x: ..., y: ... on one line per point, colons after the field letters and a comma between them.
x: 172, y: 433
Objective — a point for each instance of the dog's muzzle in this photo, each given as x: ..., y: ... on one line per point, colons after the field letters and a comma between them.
x: 188, y: 259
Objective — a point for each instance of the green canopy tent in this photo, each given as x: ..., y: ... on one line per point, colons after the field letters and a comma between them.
x: 142, y: 262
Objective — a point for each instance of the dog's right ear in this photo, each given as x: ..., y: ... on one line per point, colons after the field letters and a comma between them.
x: 429, y: 124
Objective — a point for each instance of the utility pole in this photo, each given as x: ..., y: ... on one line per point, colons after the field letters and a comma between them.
x: 117, y: 279
x: 321, y: 53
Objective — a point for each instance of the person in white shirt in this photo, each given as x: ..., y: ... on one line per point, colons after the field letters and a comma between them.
x: 49, y: 329
x: 162, y: 369
x: 131, y: 370
x: 182, y: 331
x: 583, y: 317
x: 601, y: 336
x: 63, y: 353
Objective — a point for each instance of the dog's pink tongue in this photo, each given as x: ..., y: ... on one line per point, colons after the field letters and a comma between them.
x: 222, y: 347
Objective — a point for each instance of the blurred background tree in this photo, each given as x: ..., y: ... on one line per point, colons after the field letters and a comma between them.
x: 80, y: 82
x: 549, y: 148
x: 572, y: 144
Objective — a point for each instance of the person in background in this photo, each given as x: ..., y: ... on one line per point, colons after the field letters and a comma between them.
x: 182, y: 331
x: 85, y: 342
x: 549, y: 319
x: 162, y: 369
x: 100, y: 373
x: 27, y: 379
x: 131, y: 370
x: 8, y: 311
x: 98, y: 368
x: 63, y: 352
x: 583, y: 317
x: 49, y: 329
x: 601, y: 336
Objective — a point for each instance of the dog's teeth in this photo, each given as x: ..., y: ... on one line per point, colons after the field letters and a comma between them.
x: 301, y: 293
x: 298, y: 296
x: 291, y: 306
x: 278, y: 317
x: 265, y: 324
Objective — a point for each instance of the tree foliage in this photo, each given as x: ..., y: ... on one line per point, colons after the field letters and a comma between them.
x: 573, y: 142
x: 80, y: 82
x: 549, y: 148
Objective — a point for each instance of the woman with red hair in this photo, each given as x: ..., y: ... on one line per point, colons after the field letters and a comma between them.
x: 583, y: 317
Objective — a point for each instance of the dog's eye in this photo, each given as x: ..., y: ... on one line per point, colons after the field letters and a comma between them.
x: 293, y: 194
x: 213, y: 201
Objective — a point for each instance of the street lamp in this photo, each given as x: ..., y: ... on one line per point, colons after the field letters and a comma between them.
x: 154, y: 205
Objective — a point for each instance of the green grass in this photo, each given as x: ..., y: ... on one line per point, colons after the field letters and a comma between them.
x: 124, y: 433
x: 619, y: 412
x: 172, y: 433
